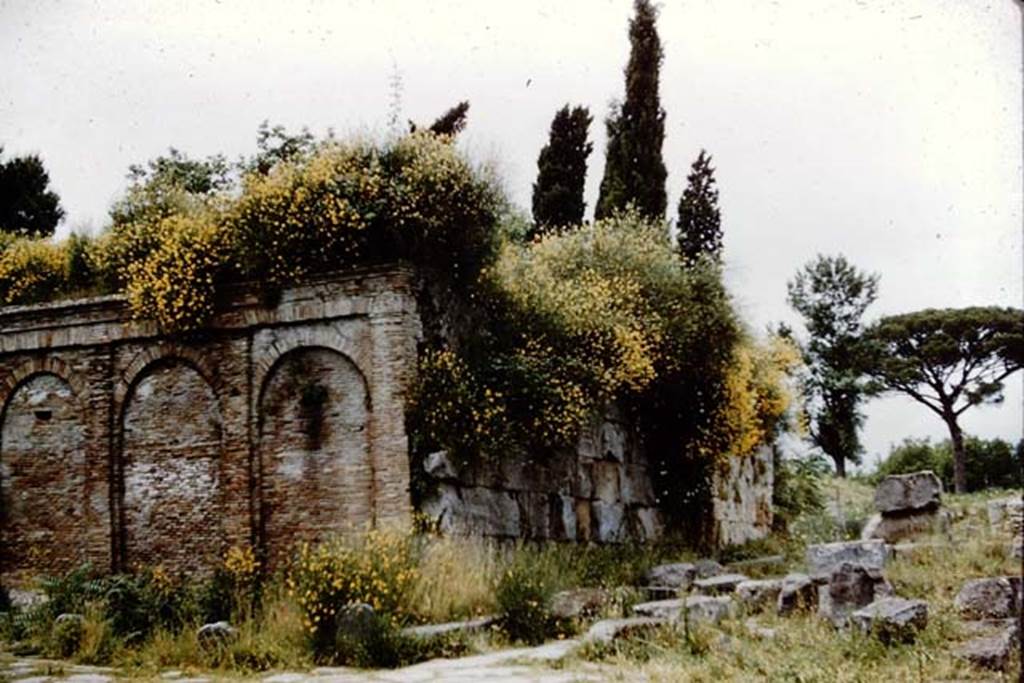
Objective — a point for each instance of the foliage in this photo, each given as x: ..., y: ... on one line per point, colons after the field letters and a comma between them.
x: 277, y: 146
x: 700, y: 222
x: 832, y: 295
x: 990, y: 463
x: 28, y: 207
x: 524, y: 598
x: 948, y: 360
x: 796, y: 489
x: 452, y: 121
x: 377, y: 569
x: 562, y: 171
x: 634, y: 172
x: 31, y: 270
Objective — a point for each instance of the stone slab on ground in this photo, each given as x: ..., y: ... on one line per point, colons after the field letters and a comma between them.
x: 675, y: 575
x: 756, y: 594
x: 451, y: 627
x: 607, y: 630
x: 892, y: 619
x: 797, y: 592
x: 579, y: 602
x: 905, y: 492
x: 717, y: 585
x: 995, y: 597
x: 900, y: 527
x: 824, y: 557
x: 989, y: 652
x: 699, y: 608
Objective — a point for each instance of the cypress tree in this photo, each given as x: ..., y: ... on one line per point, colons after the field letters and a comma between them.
x: 449, y: 123
x: 634, y: 171
x: 700, y: 222
x: 562, y: 171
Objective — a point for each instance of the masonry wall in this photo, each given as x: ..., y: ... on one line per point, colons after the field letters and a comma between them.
x: 280, y: 423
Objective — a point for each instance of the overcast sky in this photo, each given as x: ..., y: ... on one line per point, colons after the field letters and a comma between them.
x: 889, y: 132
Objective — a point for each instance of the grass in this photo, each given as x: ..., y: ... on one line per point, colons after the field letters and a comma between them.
x: 458, y: 578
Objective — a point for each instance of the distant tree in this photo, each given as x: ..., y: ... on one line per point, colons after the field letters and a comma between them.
x: 634, y: 172
x: 27, y: 206
x: 167, y: 184
x: 449, y: 123
x: 276, y: 145
x: 562, y: 171
x: 832, y: 296
x: 700, y: 222
x: 948, y: 360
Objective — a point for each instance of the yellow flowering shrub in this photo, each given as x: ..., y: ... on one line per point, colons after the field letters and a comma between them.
x: 378, y: 568
x: 31, y: 270
x: 757, y: 397
x: 175, y: 283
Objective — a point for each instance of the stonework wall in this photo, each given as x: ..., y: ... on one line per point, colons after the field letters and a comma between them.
x: 600, y: 492
x: 742, y: 502
x: 280, y: 423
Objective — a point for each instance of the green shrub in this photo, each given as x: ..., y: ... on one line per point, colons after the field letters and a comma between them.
x: 524, y: 596
x: 797, y: 489
x: 990, y: 463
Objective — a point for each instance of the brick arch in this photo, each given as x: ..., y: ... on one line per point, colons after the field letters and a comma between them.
x: 41, y: 365
x: 169, y: 454
x: 146, y: 359
x: 266, y: 359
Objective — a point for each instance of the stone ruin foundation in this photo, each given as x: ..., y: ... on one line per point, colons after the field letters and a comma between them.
x: 280, y: 423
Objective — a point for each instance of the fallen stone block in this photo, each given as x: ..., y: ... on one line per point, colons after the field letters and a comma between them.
x: 707, y: 568
x: 823, y: 558
x: 850, y: 587
x: 717, y: 585
x: 766, y: 561
x: 678, y: 575
x: 758, y: 631
x: 427, y: 631
x: 905, y: 492
x: 895, y: 527
x: 757, y: 594
x: 608, y: 630
x: 579, y: 602
x: 699, y: 608
x: 988, y: 598
x: 217, y: 633
x: 989, y: 652
x: 797, y: 592
x: 892, y: 619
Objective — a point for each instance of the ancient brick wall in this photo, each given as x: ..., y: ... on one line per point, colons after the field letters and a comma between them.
x: 280, y: 423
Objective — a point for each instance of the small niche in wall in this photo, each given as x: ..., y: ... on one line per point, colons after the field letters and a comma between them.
x: 43, y: 414
x: 312, y: 401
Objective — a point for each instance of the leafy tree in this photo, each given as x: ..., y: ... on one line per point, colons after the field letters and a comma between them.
x: 449, y: 123
x: 27, y: 206
x: 169, y: 184
x: 990, y: 463
x: 948, y: 360
x: 832, y: 295
x: 634, y: 172
x: 276, y: 145
x: 562, y: 171
x: 700, y: 222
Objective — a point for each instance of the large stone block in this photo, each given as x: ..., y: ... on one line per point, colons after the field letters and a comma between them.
x: 797, y: 592
x: 989, y: 598
x: 757, y: 594
x: 850, y: 587
x: 894, y: 528
x: 675, y: 575
x: 892, y: 619
x: 904, y: 492
x: 823, y: 558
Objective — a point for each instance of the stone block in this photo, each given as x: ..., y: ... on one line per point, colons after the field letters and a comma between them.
x: 580, y: 602
x: 609, y: 524
x: 797, y: 592
x: 893, y: 528
x: 717, y: 585
x: 614, y: 441
x: 609, y: 630
x: 823, y: 558
x: 988, y: 598
x: 892, y: 619
x: 905, y: 492
x: 678, y: 575
x: 757, y: 594
x: 989, y: 652
x: 850, y: 587
x: 605, y: 478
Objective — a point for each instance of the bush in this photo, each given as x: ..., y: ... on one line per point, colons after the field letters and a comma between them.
x: 990, y: 463
x: 377, y: 569
x: 797, y: 489
x: 31, y: 270
x: 524, y: 596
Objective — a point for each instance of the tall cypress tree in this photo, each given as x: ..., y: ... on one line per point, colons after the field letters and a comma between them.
x: 634, y: 171
x: 700, y: 222
x: 562, y: 171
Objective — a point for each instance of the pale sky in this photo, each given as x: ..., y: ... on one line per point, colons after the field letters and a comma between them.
x: 890, y: 132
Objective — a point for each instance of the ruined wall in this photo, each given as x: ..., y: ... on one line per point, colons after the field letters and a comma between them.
x: 280, y: 423
x: 742, y: 501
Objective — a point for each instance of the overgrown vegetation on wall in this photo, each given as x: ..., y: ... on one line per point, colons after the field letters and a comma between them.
x: 535, y: 337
